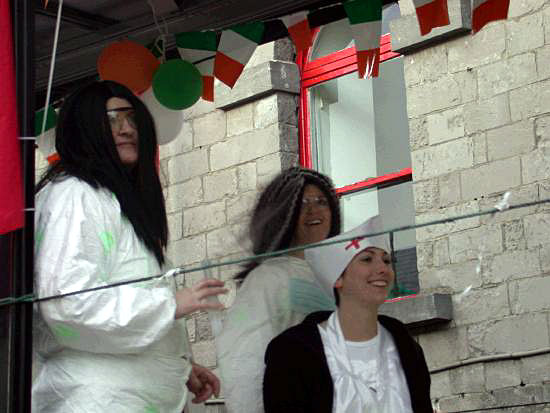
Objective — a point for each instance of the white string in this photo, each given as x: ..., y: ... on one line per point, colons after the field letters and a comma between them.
x: 52, y: 67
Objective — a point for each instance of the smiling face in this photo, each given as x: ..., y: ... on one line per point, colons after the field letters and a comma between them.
x: 367, y: 279
x: 123, y: 127
x: 315, y: 217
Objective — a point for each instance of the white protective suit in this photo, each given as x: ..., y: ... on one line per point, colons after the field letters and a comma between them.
x: 276, y: 295
x: 114, y: 350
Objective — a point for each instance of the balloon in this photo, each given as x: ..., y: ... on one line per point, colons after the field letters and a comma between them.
x: 177, y: 84
x: 168, y: 122
x: 128, y: 63
x: 46, y: 141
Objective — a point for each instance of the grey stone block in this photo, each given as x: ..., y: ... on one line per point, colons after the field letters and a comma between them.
x: 259, y: 81
x: 421, y: 311
x: 405, y: 32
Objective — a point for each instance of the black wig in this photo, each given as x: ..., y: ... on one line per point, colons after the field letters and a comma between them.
x: 276, y: 214
x: 87, y: 151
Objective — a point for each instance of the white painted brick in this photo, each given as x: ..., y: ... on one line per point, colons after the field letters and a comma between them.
x: 246, y: 175
x: 188, y: 250
x: 468, y: 379
x: 496, y: 176
x: 502, y: 374
x: 441, y: 252
x: 546, y: 20
x: 522, y: 194
x: 510, y: 140
x: 445, y: 126
x: 240, y: 119
x: 505, y: 75
x: 246, y: 147
x: 183, y: 195
x: 426, y: 195
x: 220, y: 184
x: 426, y: 97
x: 487, y: 114
x: 444, y: 346
x: 203, y: 218
x: 531, y: 100
x: 441, y: 159
x: 418, y: 133
x: 519, y: 333
x: 536, y: 165
x: 239, y: 209
x: 227, y: 240
x: 175, y: 226
x: 191, y: 329
x: 188, y: 165
x: 513, y: 265
x: 514, y: 237
x: 543, y: 62
x: 535, y: 369
x: 441, y: 385
x: 494, y: 301
x: 424, y: 255
x: 182, y: 143
x: 279, y: 107
x: 426, y: 65
x: 270, y: 166
x: 537, y: 228
x: 455, y: 277
x: 526, y: 33
x: 542, y: 131
x: 210, y: 128
x: 530, y: 295
x: 406, y: 7
x: 480, y: 148
x: 449, y: 189
x: 200, y: 108
x: 519, y: 8
x: 435, y: 231
x: 485, y: 47
x: 544, y: 254
x: 467, y: 245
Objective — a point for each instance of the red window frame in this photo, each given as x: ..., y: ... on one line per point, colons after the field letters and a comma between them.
x: 324, y: 69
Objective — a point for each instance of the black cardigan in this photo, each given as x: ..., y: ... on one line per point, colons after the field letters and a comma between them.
x: 297, y: 377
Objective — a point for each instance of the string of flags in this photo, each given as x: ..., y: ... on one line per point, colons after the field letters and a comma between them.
x: 168, y: 86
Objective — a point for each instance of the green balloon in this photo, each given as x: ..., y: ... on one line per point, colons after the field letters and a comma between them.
x: 177, y: 84
x: 51, y: 120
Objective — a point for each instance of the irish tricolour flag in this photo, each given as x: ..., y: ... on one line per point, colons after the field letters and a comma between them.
x: 431, y: 14
x: 299, y: 30
x: 365, y: 18
x: 486, y: 11
x: 235, y: 49
x: 200, y: 48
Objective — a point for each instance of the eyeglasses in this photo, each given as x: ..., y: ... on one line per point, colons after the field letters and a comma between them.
x: 119, y: 115
x: 320, y: 201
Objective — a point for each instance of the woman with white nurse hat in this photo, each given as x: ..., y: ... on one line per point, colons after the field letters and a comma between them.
x: 352, y: 359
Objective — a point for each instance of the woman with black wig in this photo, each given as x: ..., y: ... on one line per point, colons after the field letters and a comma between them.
x: 298, y: 207
x: 100, y: 219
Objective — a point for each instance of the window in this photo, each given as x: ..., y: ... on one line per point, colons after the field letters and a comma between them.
x: 356, y: 131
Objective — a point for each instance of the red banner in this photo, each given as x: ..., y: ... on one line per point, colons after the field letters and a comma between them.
x: 11, y: 184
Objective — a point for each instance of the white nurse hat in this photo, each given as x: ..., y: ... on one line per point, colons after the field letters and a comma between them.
x: 329, y: 262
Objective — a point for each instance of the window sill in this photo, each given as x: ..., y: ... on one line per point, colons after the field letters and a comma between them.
x: 421, y: 311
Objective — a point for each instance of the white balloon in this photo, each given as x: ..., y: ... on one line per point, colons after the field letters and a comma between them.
x: 168, y: 122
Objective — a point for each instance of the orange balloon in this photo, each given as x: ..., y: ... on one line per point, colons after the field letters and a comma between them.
x: 128, y: 63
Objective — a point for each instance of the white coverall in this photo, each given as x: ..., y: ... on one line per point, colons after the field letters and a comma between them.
x: 114, y: 350
x: 276, y: 295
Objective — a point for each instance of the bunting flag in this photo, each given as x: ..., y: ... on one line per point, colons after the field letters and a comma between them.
x: 431, y: 14
x: 11, y: 183
x: 486, y: 11
x: 365, y: 18
x: 299, y: 30
x: 235, y: 50
x: 200, y: 48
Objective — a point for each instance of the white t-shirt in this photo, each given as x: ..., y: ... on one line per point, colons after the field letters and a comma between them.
x: 389, y: 391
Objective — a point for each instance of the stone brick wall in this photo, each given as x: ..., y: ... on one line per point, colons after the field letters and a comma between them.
x: 479, y: 113
x: 213, y: 172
